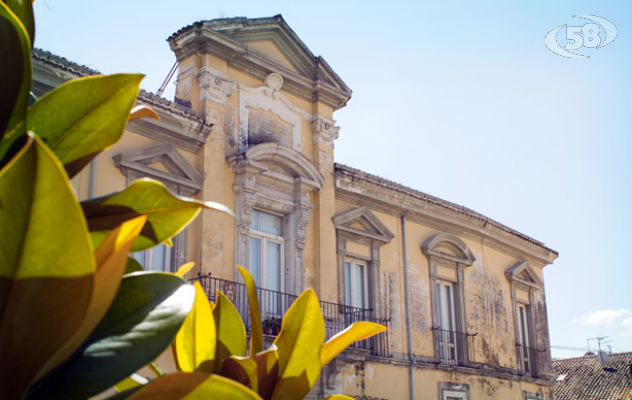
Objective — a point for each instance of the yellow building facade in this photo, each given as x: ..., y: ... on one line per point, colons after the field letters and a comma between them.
x: 252, y: 127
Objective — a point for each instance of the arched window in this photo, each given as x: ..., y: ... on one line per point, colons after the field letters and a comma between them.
x: 448, y: 256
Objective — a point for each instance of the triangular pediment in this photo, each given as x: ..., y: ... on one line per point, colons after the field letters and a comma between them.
x: 164, y: 163
x: 363, y: 222
x: 273, y: 39
x: 523, y: 273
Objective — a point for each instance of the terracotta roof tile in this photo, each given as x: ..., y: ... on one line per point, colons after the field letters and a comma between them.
x: 585, y: 378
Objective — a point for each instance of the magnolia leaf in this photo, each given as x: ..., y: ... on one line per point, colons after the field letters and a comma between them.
x: 231, y: 333
x: 23, y: 9
x: 145, y: 316
x: 46, y: 264
x: 299, y: 342
x: 193, y: 386
x: 15, y: 47
x: 256, y: 331
x: 142, y: 111
x: 167, y: 214
x: 184, y: 269
x: 340, y: 341
x: 259, y: 372
x: 133, y: 266
x: 80, y: 118
x: 194, y: 345
x: 156, y: 369
x: 111, y: 258
x: 130, y: 382
x: 338, y: 397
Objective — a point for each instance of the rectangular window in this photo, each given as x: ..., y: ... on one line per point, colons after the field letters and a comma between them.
x: 447, y: 332
x: 454, y: 395
x: 524, y: 341
x: 265, y: 250
x: 356, y: 283
x: 157, y: 258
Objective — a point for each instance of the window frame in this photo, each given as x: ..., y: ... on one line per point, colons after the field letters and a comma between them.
x: 148, y: 256
x: 454, y: 393
x: 264, y: 238
x: 355, y: 261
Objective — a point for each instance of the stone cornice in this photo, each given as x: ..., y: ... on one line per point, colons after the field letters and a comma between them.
x: 354, y: 185
x: 315, y: 81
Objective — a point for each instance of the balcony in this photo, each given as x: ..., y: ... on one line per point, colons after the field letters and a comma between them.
x: 274, y: 304
x: 527, y: 360
x: 453, y: 347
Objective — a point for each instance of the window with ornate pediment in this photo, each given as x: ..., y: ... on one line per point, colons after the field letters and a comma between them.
x: 360, y: 234
x: 164, y: 163
x: 274, y: 180
x: 524, y: 284
x: 448, y: 256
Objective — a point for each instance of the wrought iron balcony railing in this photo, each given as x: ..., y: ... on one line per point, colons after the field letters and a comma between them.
x: 274, y: 304
x: 453, y: 347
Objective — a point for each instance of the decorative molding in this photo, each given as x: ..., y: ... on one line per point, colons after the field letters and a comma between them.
x: 324, y: 131
x: 464, y: 254
x: 181, y: 178
x: 524, y: 274
x: 277, y: 179
x: 269, y: 98
x: 214, y: 84
x: 375, y: 229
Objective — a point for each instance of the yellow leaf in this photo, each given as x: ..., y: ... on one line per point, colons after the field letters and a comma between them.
x: 111, y: 259
x: 256, y: 332
x: 338, y: 397
x: 184, y: 269
x: 260, y: 372
x: 340, y: 341
x: 194, y: 344
x: 156, y: 369
x: 299, y: 343
x: 142, y: 111
x: 194, y: 386
x: 131, y: 382
x: 231, y: 333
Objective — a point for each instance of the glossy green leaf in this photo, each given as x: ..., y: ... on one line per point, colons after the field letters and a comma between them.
x: 231, y: 333
x: 259, y: 372
x: 139, y: 325
x: 194, y: 386
x: 23, y: 9
x: 340, y: 341
x: 194, y: 345
x: 167, y: 214
x: 80, y: 118
x: 299, y: 343
x: 46, y: 264
x: 111, y: 258
x: 133, y: 266
x: 15, y: 47
x: 256, y: 331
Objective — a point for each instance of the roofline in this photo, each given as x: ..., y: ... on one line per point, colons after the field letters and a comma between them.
x: 451, y: 207
x: 624, y: 353
x: 144, y: 96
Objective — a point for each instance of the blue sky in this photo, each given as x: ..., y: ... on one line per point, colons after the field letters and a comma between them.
x: 461, y: 100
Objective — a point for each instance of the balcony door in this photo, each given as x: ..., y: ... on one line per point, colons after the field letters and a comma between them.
x: 265, y: 259
x: 524, y: 340
x: 446, y: 318
x: 356, y: 290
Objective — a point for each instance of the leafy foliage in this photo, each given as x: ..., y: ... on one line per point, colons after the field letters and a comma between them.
x: 65, y: 269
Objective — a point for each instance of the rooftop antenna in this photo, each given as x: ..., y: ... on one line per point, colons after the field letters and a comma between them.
x: 172, y: 71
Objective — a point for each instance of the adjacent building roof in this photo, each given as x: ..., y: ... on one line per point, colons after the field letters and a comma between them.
x: 144, y: 96
x: 584, y: 378
x: 427, y: 198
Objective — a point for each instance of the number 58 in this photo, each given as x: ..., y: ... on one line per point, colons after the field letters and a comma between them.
x: 587, y: 35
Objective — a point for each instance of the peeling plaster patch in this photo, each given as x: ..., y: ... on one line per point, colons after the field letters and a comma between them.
x: 489, y: 313
x: 393, y: 301
x: 230, y: 129
x: 420, y: 306
x: 214, y: 243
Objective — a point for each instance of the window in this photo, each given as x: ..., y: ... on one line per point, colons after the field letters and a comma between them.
x: 356, y: 283
x: 524, y: 343
x: 453, y: 395
x: 265, y: 250
x: 158, y: 258
x: 446, y: 319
